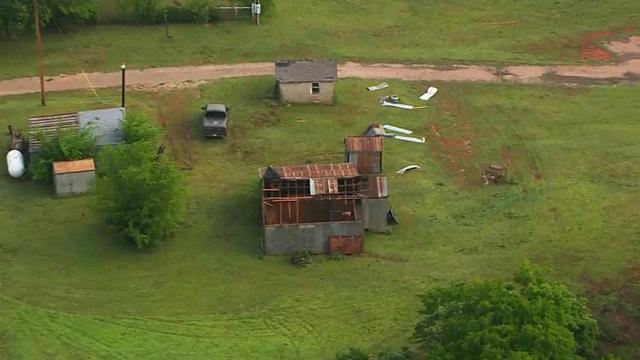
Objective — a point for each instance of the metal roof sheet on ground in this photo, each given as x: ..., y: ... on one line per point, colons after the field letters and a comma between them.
x: 66, y: 167
x: 106, y: 124
x: 378, y: 187
x: 310, y: 171
x: 292, y: 71
x: 49, y: 125
x: 363, y: 143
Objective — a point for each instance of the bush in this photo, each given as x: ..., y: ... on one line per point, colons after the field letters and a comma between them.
x: 141, y: 11
x: 529, y: 317
x: 64, y: 145
x: 141, y: 192
x: 301, y: 257
x: 352, y: 354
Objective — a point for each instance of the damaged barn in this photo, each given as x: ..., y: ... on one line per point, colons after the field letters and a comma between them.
x: 314, y: 207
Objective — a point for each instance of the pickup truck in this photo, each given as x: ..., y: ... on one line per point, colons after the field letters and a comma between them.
x: 215, y: 121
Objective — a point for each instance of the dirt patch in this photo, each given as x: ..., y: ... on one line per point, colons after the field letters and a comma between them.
x: 615, y: 304
x: 174, y: 118
x: 456, y: 154
x: 590, y: 50
x: 629, y: 48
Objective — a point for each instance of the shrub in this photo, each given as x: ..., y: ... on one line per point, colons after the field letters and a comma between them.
x: 65, y: 144
x: 141, y: 11
x: 352, y: 354
x: 141, y: 192
x: 301, y: 257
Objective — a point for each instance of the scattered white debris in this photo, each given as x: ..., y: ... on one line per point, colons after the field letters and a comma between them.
x: 380, y: 86
x: 410, y: 139
x: 399, y: 106
x: 431, y: 91
x: 407, y: 168
x: 397, y: 129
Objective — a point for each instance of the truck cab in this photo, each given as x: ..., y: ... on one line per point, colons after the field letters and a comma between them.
x: 215, y: 121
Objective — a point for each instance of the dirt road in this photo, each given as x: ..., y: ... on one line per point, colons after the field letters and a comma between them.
x: 625, y: 71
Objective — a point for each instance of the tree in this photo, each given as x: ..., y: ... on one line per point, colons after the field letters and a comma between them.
x: 16, y: 16
x: 527, y: 318
x: 64, y: 145
x: 141, y: 191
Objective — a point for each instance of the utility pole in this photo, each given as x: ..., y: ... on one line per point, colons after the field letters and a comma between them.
x: 36, y: 12
x: 124, y: 69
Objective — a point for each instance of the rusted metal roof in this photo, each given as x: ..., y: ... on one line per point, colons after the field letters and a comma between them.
x: 363, y: 143
x: 310, y: 171
x: 378, y: 187
x: 65, y: 167
x: 49, y: 125
x: 293, y: 71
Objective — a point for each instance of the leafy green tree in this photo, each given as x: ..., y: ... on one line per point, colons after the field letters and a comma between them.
x: 66, y: 144
x: 17, y: 16
x: 527, y: 318
x: 141, y: 191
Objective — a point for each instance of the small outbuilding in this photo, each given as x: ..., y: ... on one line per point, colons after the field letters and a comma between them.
x: 306, y: 81
x: 73, y: 177
x: 365, y: 152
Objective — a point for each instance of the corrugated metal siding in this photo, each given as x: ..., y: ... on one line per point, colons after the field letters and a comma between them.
x: 49, y: 125
x: 347, y: 244
x: 74, y: 183
x: 106, y: 124
x: 364, y: 143
x: 378, y: 187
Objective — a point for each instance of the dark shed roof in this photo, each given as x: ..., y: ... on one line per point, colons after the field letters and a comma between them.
x: 310, y: 171
x: 363, y: 143
x: 293, y: 71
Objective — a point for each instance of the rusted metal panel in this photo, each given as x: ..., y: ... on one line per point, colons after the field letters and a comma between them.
x: 65, y: 167
x: 325, y: 186
x: 349, y: 244
x: 49, y: 125
x: 363, y: 143
x: 310, y: 171
x: 378, y: 187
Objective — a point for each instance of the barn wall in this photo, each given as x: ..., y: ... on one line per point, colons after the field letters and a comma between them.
x: 73, y: 183
x: 366, y: 162
x: 375, y: 214
x: 301, y: 93
x: 281, y: 240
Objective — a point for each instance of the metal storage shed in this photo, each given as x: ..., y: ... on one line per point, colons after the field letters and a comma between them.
x: 73, y: 177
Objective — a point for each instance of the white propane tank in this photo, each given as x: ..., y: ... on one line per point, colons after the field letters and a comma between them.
x: 15, y: 164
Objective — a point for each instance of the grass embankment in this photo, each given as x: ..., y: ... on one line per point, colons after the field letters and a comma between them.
x: 71, y: 290
x: 439, y: 31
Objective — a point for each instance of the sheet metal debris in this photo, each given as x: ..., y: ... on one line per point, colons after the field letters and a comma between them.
x: 399, y: 106
x: 407, y: 168
x: 410, y: 139
x: 397, y: 129
x: 380, y: 86
x: 431, y: 91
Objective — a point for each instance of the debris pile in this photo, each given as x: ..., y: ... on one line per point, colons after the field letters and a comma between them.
x: 494, y: 174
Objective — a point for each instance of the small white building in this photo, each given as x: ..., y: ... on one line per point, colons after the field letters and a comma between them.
x: 306, y: 81
x: 73, y: 177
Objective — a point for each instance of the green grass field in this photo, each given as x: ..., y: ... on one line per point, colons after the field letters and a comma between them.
x: 70, y: 290
x: 416, y: 31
